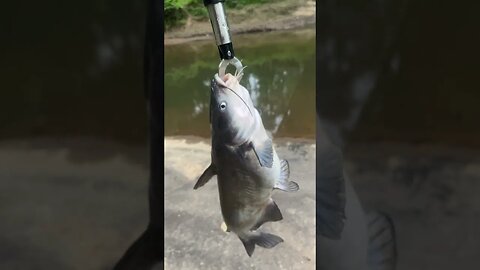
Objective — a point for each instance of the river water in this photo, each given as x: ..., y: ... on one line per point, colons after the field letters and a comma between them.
x: 280, y: 76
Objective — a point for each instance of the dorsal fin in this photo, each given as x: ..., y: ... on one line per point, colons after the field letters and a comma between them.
x: 282, y: 183
x: 284, y: 171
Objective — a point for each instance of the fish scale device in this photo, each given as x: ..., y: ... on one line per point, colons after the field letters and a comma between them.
x: 221, y: 31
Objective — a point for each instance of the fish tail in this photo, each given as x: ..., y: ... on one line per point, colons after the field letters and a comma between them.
x: 265, y: 240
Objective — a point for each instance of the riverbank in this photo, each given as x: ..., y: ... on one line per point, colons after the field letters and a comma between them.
x: 281, y: 15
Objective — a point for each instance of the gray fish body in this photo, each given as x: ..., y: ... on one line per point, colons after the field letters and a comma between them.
x: 247, y: 166
x: 245, y: 187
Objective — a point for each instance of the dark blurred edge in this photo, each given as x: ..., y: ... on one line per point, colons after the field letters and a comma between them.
x: 325, y: 11
x: 147, y: 251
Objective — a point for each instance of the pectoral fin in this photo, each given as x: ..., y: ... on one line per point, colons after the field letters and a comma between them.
x: 264, y: 153
x: 206, y: 176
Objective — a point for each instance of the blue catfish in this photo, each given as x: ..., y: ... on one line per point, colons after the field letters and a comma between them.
x: 247, y: 167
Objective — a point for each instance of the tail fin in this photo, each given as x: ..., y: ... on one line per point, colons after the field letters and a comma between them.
x: 382, y: 250
x: 265, y: 240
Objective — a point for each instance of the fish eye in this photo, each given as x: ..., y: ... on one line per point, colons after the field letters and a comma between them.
x: 223, y: 105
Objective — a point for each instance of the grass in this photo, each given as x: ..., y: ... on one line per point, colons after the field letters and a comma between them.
x: 177, y: 12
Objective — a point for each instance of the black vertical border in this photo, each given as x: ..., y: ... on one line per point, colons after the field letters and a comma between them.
x: 148, y: 250
x: 317, y: 87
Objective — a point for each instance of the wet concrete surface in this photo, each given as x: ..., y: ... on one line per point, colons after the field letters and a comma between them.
x: 70, y: 209
x: 194, y: 238
x: 79, y: 204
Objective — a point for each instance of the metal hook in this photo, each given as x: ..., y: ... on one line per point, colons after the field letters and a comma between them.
x: 224, y: 63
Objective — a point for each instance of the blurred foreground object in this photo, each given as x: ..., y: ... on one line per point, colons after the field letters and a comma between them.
x: 147, y: 251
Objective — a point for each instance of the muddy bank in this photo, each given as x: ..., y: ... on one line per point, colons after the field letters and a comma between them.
x: 193, y: 234
x: 281, y: 15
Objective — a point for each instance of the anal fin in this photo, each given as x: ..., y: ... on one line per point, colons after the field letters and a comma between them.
x: 271, y: 213
x: 206, y: 176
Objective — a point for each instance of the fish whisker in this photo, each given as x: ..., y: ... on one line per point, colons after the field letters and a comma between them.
x: 240, y: 98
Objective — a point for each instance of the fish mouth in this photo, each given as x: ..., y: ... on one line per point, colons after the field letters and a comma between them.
x: 218, y: 81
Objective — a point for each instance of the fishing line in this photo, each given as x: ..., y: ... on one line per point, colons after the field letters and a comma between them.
x: 240, y: 99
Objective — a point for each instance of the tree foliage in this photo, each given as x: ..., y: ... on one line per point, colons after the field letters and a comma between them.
x: 177, y: 11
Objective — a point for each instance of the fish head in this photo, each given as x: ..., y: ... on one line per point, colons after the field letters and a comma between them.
x: 232, y: 114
